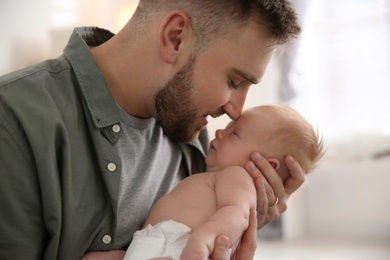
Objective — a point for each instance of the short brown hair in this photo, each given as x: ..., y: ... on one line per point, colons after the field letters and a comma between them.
x: 212, y: 18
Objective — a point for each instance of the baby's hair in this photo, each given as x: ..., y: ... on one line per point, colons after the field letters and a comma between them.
x: 296, y: 135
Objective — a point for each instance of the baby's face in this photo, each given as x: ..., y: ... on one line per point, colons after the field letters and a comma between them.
x: 235, y: 144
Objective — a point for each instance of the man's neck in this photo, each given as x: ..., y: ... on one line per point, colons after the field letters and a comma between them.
x: 123, y: 69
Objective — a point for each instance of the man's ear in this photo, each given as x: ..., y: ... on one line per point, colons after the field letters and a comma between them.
x: 274, y: 163
x: 174, y: 35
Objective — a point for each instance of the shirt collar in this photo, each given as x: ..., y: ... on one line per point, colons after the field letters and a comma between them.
x: 92, y: 83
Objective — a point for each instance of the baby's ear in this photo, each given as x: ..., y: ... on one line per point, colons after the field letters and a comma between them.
x: 274, y: 163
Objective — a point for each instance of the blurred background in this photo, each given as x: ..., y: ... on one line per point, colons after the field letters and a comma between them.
x: 337, y: 74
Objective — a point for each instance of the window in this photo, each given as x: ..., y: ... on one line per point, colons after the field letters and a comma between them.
x: 339, y: 70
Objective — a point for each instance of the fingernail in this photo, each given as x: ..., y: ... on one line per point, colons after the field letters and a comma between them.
x: 251, y: 166
x: 257, y: 156
x: 259, y: 183
x: 223, y: 242
x: 291, y: 159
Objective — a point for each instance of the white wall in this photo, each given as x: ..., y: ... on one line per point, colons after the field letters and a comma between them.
x: 348, y: 196
x: 24, y: 37
x: 32, y: 31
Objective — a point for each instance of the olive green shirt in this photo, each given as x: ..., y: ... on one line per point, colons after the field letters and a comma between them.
x: 59, y: 170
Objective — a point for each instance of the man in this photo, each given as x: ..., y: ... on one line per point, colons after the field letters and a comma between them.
x: 90, y: 140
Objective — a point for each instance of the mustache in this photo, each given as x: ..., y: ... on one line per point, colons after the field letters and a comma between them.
x: 216, y: 112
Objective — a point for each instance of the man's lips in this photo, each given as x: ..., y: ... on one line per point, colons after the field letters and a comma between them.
x: 204, y: 120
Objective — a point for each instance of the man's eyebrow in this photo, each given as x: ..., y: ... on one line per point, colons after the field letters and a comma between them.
x: 246, y: 76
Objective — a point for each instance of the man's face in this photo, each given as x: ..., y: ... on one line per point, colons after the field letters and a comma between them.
x: 213, y: 83
x: 176, y: 107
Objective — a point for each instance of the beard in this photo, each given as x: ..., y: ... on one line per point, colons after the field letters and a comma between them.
x: 176, y: 108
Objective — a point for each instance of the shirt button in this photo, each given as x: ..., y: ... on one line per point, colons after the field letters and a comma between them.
x: 106, y: 239
x: 111, y: 167
x: 116, y: 128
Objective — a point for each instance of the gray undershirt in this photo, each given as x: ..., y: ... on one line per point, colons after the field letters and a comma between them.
x: 151, y: 167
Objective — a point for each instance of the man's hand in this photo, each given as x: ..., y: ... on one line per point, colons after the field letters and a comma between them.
x: 221, y: 248
x: 277, y: 191
x: 248, y: 243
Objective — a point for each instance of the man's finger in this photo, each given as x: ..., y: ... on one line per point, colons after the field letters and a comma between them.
x: 262, y: 203
x: 297, y: 176
x: 221, y: 249
x: 274, y: 185
x: 248, y: 244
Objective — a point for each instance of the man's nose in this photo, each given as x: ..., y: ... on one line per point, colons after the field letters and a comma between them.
x: 234, y: 106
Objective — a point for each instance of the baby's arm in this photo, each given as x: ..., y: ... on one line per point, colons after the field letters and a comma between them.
x: 236, y: 195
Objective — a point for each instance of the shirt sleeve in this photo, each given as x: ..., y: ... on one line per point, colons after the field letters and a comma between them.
x: 22, y: 230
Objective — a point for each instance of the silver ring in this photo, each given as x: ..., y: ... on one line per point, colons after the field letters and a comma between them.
x: 276, y: 203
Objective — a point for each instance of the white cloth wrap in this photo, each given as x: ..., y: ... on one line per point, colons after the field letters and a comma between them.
x: 166, y: 239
